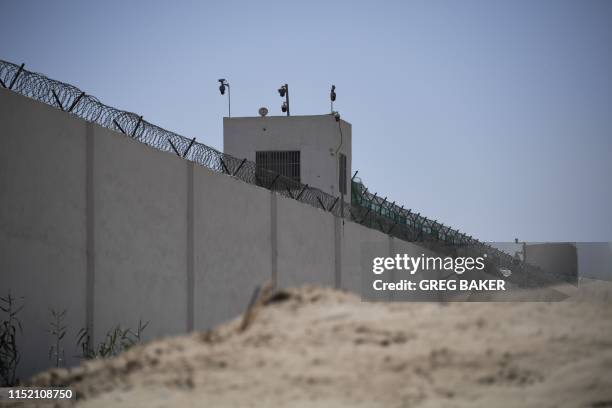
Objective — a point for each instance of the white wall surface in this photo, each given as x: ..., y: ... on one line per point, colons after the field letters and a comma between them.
x: 232, y: 245
x: 354, y: 238
x: 315, y: 136
x: 169, y: 241
x: 42, y: 221
x: 305, y: 244
x: 140, y: 196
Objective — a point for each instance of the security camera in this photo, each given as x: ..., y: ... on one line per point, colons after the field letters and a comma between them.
x: 222, y: 85
x: 283, y: 91
x: 223, y: 82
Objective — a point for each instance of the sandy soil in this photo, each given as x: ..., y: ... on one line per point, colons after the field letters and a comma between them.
x: 315, y: 347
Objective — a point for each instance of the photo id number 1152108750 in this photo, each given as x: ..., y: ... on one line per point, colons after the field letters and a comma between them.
x: 31, y: 393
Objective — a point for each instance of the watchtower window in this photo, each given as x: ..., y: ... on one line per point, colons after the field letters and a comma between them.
x: 286, y: 163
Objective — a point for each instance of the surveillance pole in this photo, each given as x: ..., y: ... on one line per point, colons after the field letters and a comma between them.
x: 287, y: 98
x: 283, y: 91
x: 225, y: 84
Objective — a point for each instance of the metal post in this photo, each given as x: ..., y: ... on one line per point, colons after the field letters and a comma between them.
x: 287, y: 98
x: 332, y: 98
x: 136, y: 127
x: 189, y: 147
x: 224, y: 84
x: 229, y: 101
x: 16, y: 76
x: 283, y: 91
x: 76, y: 101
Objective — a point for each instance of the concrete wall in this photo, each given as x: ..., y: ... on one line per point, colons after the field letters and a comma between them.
x: 305, y: 244
x: 140, y: 224
x: 595, y: 260
x: 42, y: 220
x: 559, y: 258
x: 354, y: 238
x: 233, y: 251
x: 115, y: 231
x: 317, y: 137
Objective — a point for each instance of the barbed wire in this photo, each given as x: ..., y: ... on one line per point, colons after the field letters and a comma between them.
x: 372, y: 212
x: 70, y: 99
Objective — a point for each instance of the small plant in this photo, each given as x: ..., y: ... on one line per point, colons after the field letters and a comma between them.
x: 116, y: 341
x: 9, y: 353
x: 84, y: 343
x: 58, y: 331
x: 137, y: 336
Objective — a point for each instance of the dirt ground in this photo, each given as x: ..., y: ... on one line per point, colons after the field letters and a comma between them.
x: 315, y: 347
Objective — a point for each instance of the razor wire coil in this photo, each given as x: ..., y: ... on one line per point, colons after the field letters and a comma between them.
x: 71, y: 99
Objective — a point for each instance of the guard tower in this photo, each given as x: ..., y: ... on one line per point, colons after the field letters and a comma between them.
x: 314, y: 149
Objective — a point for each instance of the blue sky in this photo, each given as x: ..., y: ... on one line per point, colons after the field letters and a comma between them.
x: 492, y: 117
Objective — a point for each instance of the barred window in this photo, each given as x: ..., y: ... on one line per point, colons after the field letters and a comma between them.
x: 342, y: 175
x: 285, y: 163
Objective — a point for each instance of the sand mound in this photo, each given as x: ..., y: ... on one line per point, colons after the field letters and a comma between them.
x: 314, y: 347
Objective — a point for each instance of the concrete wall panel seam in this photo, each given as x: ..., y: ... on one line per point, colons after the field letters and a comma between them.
x: 190, y: 249
x: 337, y: 253
x: 273, y: 239
x: 90, y: 232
